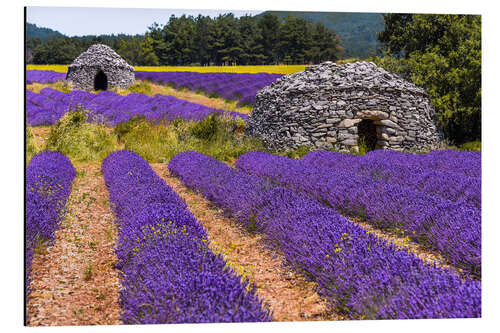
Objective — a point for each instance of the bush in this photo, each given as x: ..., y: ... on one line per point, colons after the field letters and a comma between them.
x: 219, y: 137
x: 471, y: 146
x: 141, y: 87
x: 78, y: 139
x: 123, y: 128
x: 207, y: 128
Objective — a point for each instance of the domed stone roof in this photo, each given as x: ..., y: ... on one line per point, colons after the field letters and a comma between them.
x: 330, y: 106
x: 100, y: 68
x: 329, y: 75
x: 102, y: 56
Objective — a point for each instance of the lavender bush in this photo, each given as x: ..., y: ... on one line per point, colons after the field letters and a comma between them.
x: 232, y: 86
x: 48, y: 184
x: 48, y: 106
x: 397, y: 168
x: 169, y: 274
x: 451, y: 228
x: 355, y: 271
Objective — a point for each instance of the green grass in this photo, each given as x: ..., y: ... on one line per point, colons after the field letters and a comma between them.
x: 80, y: 140
x: 219, y: 137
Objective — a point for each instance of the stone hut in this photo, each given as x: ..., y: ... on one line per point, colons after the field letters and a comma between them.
x: 100, y: 68
x: 330, y: 106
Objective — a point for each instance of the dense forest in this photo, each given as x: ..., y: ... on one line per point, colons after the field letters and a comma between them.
x: 358, y: 31
x: 202, y: 40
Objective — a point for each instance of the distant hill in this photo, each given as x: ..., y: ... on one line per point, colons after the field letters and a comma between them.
x: 32, y: 31
x: 358, y: 31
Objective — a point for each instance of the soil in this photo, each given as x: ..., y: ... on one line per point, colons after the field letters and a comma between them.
x: 74, y: 280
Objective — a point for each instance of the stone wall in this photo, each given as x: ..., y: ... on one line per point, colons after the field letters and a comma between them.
x: 82, y: 77
x: 322, y: 106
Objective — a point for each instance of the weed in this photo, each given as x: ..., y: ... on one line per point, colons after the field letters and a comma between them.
x: 87, y: 272
x: 110, y: 233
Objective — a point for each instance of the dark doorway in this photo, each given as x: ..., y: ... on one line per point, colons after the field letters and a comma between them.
x: 100, y: 81
x: 367, y: 133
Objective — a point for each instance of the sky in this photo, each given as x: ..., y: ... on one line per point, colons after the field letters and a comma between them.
x: 79, y: 21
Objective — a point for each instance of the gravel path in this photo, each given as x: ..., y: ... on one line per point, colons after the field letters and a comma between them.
x: 74, y: 280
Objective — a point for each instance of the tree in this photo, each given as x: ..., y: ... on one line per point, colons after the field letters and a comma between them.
x: 443, y: 54
x: 269, y: 26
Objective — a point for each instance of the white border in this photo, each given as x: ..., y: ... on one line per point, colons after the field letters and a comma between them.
x: 11, y: 109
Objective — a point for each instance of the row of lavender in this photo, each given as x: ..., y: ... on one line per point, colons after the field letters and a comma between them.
x: 451, y: 228
x: 42, y: 76
x: 448, y: 174
x: 169, y: 274
x: 233, y: 86
x: 48, y: 184
x: 355, y: 271
x: 49, y: 105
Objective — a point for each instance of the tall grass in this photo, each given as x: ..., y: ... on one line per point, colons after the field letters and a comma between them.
x: 30, y: 144
x: 219, y: 137
x: 80, y: 140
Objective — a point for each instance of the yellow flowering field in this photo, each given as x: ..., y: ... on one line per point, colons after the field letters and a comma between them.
x: 277, y: 69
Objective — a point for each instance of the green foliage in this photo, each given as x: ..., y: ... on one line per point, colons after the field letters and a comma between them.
x: 443, y: 54
x: 160, y: 142
x: 203, y: 40
x: 80, y: 140
x: 30, y: 144
x: 206, y: 129
x: 297, y: 153
x: 358, y: 31
x: 121, y: 129
x: 141, y: 87
x: 471, y: 146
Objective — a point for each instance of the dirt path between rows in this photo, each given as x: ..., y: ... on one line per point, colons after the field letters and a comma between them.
x: 405, y: 243
x: 74, y: 280
x: 289, y: 295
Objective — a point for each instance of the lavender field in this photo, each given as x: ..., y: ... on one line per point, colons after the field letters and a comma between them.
x: 380, y: 235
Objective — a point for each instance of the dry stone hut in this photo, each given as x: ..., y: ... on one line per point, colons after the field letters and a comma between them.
x: 330, y: 106
x: 100, y: 68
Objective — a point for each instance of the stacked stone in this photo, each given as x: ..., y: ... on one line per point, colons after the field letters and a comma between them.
x: 100, y: 57
x: 321, y: 107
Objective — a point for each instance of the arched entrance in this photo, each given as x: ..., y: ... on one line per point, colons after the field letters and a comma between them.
x: 100, y: 81
x: 367, y: 134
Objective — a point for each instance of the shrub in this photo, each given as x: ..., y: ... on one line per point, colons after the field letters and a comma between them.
x: 124, y: 127
x: 207, y: 128
x: 219, y: 137
x: 78, y: 139
x: 141, y: 87
x: 471, y: 146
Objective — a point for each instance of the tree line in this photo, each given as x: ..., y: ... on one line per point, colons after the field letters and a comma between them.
x: 203, y: 40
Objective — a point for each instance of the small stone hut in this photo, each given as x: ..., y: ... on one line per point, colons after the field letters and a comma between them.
x: 339, y: 106
x: 100, y: 68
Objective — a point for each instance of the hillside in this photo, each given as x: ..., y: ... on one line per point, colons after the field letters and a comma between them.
x: 32, y: 31
x: 358, y: 31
